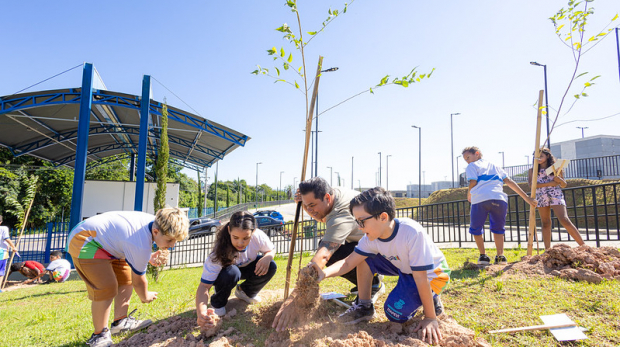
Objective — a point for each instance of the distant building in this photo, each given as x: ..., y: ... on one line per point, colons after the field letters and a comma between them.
x: 398, y: 193
x: 588, y: 147
x: 412, y: 190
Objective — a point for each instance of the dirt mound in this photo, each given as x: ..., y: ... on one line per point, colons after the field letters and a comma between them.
x: 304, y: 299
x: 583, y: 263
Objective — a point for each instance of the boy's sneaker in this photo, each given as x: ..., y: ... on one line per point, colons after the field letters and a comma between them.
x: 240, y: 294
x: 357, y: 313
x: 501, y: 260
x: 220, y: 311
x: 129, y: 323
x: 103, y: 339
x: 484, y: 260
x: 438, y: 305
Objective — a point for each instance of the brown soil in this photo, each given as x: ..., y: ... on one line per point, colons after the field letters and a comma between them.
x: 304, y: 299
x: 15, y: 285
x: 583, y: 263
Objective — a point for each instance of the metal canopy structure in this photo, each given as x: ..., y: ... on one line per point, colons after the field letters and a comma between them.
x: 73, y: 127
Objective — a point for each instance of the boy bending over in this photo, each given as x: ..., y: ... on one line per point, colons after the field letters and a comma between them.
x: 394, y: 247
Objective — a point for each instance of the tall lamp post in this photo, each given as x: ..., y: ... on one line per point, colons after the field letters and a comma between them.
x: 502, y: 159
x: 582, y: 130
x: 546, y: 99
x: 352, y: 173
x: 458, y: 174
x: 419, y: 164
x: 281, y: 172
x: 256, y: 192
x: 331, y: 181
x: 294, y: 185
x: 338, y: 175
x: 387, y: 172
x: 452, y: 146
x: 379, y: 169
x: 316, y: 126
x: 528, y: 160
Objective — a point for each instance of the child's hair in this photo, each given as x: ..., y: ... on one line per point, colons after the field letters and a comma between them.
x: 15, y: 267
x: 172, y: 221
x: 472, y: 150
x: 56, y: 254
x: 223, y: 250
x: 317, y: 185
x: 550, y: 157
x: 375, y: 201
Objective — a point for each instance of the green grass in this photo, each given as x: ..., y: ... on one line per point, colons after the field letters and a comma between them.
x: 59, y: 314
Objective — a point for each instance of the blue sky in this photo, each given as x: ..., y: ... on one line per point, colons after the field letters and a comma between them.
x: 204, y: 51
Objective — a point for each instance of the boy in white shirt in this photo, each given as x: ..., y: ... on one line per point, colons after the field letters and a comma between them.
x: 394, y: 247
x: 5, y: 243
x: 58, y: 269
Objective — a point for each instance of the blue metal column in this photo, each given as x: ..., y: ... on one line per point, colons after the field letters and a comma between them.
x: 144, y: 128
x: 79, y: 172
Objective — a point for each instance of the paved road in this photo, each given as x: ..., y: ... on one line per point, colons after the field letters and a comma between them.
x: 287, y: 211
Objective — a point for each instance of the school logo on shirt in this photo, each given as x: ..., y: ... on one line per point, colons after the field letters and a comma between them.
x: 391, y: 258
x: 399, y: 304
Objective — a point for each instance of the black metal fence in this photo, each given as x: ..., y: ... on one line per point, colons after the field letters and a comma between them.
x: 590, y: 168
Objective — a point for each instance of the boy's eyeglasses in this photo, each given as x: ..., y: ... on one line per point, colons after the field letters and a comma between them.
x: 360, y: 222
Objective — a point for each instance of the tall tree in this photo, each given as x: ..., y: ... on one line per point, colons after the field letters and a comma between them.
x: 163, y: 156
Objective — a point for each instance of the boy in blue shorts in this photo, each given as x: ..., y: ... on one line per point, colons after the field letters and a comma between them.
x: 487, y: 198
x: 393, y: 247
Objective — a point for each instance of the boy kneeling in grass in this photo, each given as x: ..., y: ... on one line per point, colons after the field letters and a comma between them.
x: 111, y: 252
x: 394, y: 247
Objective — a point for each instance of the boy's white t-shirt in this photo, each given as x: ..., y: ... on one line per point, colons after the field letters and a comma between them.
x: 4, y: 247
x: 259, y: 242
x: 123, y: 234
x: 490, y: 180
x: 60, y: 268
x: 409, y: 249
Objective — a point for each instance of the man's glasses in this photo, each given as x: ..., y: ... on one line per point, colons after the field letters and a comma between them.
x: 360, y: 222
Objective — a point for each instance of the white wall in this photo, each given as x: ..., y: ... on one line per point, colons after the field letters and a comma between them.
x: 104, y: 196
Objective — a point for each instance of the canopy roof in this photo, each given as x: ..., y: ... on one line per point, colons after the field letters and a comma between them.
x: 45, y: 124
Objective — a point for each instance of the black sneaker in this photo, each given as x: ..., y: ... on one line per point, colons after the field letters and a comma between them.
x: 376, y: 292
x: 484, y: 260
x: 501, y: 260
x: 357, y: 313
x: 103, y: 339
x: 438, y: 305
x: 354, y: 290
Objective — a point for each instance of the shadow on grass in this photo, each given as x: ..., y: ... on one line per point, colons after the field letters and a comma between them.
x: 48, y: 294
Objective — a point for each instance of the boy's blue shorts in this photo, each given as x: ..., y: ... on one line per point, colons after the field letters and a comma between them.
x: 402, y: 302
x: 495, y: 209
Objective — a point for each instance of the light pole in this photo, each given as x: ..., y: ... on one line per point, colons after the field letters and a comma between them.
x: 452, y: 146
x: 256, y: 192
x: 281, y: 172
x: 546, y: 100
x: 316, y: 126
x: 528, y: 160
x: 379, y: 169
x: 338, y: 175
x: 419, y: 163
x: 582, y: 130
x: 502, y: 159
x: 294, y: 185
x: 458, y: 174
x: 387, y: 172
x: 351, y: 173
x: 331, y: 181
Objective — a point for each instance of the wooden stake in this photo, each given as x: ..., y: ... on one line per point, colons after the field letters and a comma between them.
x: 532, y: 226
x: 534, y: 327
x: 291, y: 250
x: 19, y: 238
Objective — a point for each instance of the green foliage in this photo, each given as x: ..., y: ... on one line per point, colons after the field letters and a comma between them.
x: 161, y: 168
x: 116, y: 168
x: 18, y: 195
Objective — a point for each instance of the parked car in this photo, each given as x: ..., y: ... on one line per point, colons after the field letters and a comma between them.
x: 269, y: 213
x: 202, y: 226
x: 269, y: 225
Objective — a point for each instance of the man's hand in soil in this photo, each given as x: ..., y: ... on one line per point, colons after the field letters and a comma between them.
x: 428, y: 331
x: 207, y: 320
x: 286, y: 315
x: 319, y: 271
x: 262, y: 265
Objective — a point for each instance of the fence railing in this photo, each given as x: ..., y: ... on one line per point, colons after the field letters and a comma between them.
x: 594, y: 210
x: 590, y: 168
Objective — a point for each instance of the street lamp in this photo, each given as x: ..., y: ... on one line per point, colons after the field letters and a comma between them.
x: 546, y: 100
x: 256, y: 192
x: 582, y: 130
x: 316, y: 126
x: 419, y: 163
x: 387, y: 172
x: 295, y: 186
x: 452, y: 145
x: 502, y: 159
x: 458, y: 174
x: 338, y: 175
x: 331, y: 181
x: 379, y: 169
x: 281, y: 172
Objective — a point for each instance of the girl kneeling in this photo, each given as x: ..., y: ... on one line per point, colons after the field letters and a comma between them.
x: 235, y: 257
